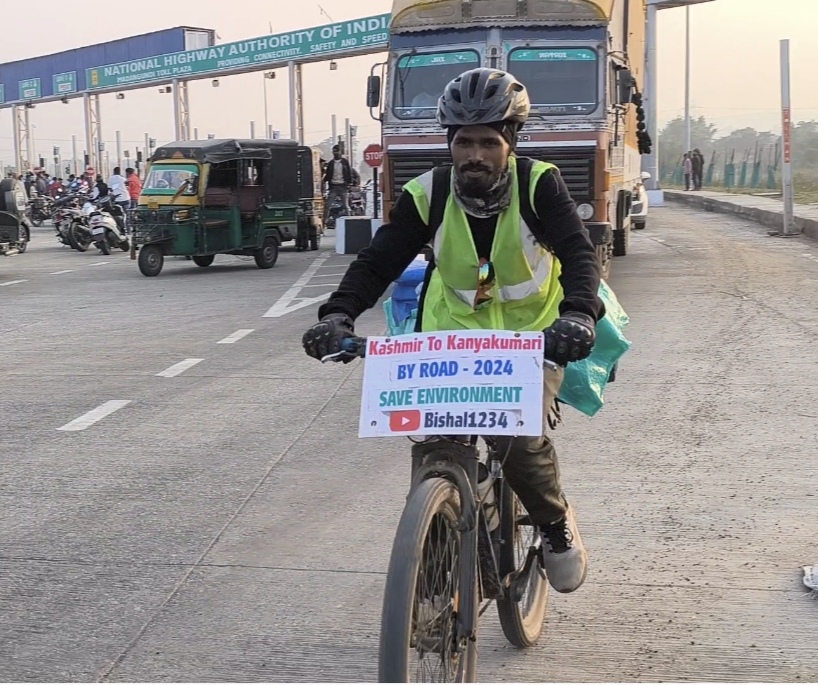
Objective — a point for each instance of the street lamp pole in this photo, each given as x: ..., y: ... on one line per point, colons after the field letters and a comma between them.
x: 688, y: 127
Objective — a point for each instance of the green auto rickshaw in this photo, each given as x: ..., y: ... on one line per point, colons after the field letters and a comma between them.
x: 201, y: 198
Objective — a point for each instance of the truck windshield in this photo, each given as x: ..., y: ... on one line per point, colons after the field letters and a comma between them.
x: 420, y: 80
x: 560, y: 81
x: 166, y: 179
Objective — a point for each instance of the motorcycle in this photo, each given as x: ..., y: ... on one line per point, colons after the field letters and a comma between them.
x: 106, y: 222
x: 336, y: 209
x: 357, y: 202
x: 38, y: 209
x: 65, y: 211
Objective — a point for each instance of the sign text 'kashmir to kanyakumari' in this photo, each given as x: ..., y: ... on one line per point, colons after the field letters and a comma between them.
x: 271, y: 50
x: 453, y: 383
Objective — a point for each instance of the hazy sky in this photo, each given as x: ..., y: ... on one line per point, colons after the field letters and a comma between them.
x: 735, y: 67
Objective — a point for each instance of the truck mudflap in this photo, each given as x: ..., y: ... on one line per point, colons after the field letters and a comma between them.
x: 601, y: 232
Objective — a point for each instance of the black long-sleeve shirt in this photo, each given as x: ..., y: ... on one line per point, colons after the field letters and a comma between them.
x: 398, y: 243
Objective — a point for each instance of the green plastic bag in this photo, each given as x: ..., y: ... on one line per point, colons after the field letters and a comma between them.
x: 584, y: 385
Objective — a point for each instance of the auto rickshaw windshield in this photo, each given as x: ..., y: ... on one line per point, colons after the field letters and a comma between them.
x: 168, y: 179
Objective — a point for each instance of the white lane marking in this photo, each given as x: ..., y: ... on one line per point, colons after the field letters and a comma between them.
x: 2, y: 285
x: 329, y: 275
x: 94, y: 415
x: 235, y: 337
x: 181, y: 367
x: 321, y: 285
x: 290, y: 302
x: 98, y: 264
x: 59, y: 273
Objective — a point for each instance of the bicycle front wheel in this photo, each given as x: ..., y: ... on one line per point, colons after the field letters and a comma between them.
x: 421, y: 599
x: 521, y: 621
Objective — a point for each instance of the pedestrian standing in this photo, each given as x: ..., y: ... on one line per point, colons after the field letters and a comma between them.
x: 687, y: 165
x: 134, y: 186
x: 698, y: 168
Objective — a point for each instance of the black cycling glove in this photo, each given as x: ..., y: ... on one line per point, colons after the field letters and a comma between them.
x: 570, y: 338
x: 326, y: 336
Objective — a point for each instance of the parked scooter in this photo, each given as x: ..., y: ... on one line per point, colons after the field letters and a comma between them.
x: 106, y: 223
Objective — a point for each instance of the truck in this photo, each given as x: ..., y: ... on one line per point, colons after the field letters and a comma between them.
x: 583, y: 62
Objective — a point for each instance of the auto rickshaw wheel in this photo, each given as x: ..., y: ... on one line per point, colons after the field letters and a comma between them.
x: 315, y: 241
x: 205, y: 260
x: 24, y: 238
x: 267, y: 256
x: 151, y: 260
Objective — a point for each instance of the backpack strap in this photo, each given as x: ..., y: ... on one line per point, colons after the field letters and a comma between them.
x: 441, y: 187
x: 524, y: 168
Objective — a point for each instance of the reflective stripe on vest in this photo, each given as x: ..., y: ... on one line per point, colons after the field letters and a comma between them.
x: 527, y: 290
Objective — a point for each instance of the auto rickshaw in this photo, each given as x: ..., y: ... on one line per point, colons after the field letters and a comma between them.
x: 201, y: 198
x: 311, y: 202
x: 15, y: 229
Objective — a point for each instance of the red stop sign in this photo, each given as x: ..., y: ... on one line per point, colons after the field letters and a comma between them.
x: 373, y: 155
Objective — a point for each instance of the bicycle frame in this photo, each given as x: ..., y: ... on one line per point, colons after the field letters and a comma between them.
x: 457, y: 461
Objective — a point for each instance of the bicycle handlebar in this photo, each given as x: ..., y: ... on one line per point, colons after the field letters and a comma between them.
x: 356, y: 347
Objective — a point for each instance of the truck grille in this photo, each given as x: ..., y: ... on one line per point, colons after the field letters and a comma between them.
x: 575, y: 164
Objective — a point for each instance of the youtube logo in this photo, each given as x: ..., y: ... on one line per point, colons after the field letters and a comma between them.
x: 404, y: 421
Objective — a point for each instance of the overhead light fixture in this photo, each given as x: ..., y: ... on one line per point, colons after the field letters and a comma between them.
x: 215, y: 83
x: 64, y: 99
x: 120, y: 96
x: 29, y: 105
x: 333, y: 66
x: 269, y: 74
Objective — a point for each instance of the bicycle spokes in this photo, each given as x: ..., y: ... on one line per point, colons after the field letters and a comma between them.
x: 434, y: 620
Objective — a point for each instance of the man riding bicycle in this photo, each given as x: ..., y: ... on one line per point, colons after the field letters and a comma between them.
x: 510, y: 253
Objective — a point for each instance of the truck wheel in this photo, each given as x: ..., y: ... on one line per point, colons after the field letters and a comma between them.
x: 621, y: 241
x: 315, y: 238
x: 267, y: 255
x: 638, y: 226
x: 151, y: 260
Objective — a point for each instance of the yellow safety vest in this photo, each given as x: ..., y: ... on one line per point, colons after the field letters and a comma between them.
x: 527, y: 292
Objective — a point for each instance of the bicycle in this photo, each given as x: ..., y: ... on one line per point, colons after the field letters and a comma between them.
x: 462, y: 507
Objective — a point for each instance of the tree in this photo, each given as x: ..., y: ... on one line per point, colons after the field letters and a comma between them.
x: 672, y: 138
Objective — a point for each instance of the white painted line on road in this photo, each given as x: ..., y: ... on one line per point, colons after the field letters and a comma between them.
x: 235, y: 337
x: 181, y: 367
x: 2, y: 285
x: 290, y: 302
x: 321, y: 285
x: 328, y: 275
x: 98, y: 264
x: 59, y: 273
x: 94, y: 415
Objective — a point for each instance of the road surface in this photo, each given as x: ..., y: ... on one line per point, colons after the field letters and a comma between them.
x: 183, y: 496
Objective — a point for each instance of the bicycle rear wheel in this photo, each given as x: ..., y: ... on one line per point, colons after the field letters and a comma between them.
x: 522, y: 621
x: 420, y: 604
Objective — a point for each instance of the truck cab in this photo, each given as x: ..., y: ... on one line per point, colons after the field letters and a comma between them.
x: 581, y: 60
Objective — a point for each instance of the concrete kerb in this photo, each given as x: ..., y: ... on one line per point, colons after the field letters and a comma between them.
x: 724, y: 204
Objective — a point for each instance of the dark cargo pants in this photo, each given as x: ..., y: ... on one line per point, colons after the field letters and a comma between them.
x: 532, y: 469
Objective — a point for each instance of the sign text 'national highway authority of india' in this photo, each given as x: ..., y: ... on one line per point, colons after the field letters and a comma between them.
x: 319, y: 41
x: 453, y: 383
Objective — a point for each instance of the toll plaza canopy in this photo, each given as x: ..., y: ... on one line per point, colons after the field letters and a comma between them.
x: 66, y: 74
x: 419, y: 15
x: 224, y: 150
x: 181, y: 54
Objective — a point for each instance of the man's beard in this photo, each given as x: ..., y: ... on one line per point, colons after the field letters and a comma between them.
x: 476, y: 186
